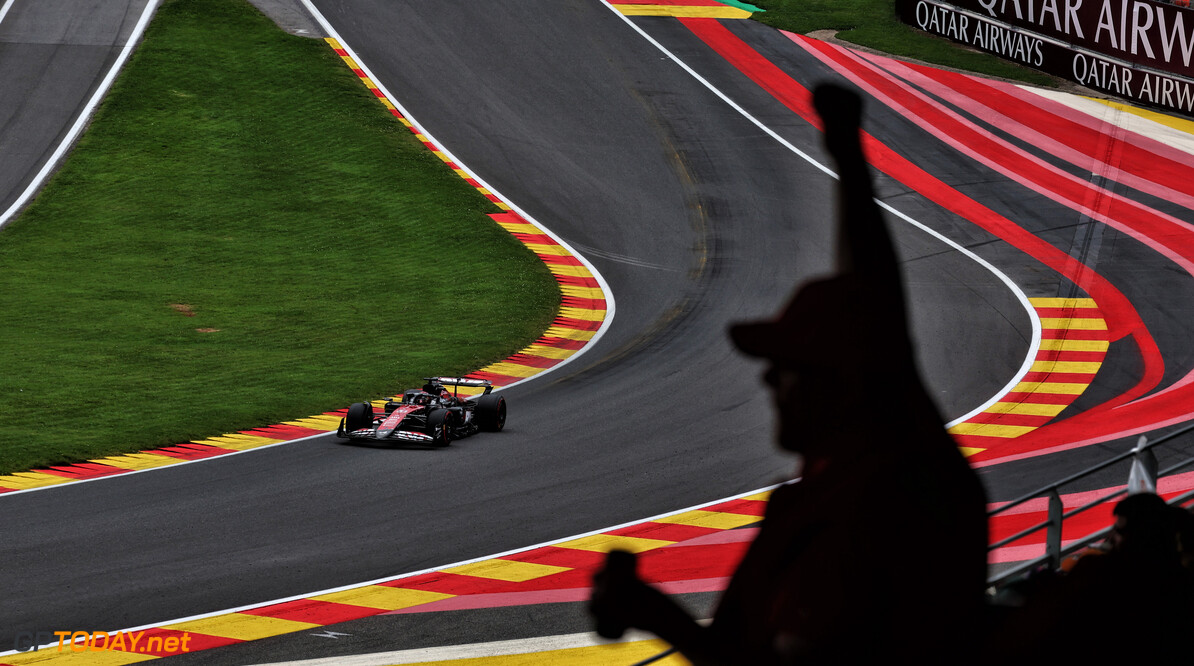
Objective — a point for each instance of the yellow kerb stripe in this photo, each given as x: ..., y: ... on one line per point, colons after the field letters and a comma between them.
x: 680, y: 11
x: 1078, y: 367
x: 1059, y: 344
x: 569, y: 270
x: 568, y: 333
x: 603, y: 543
x: 512, y: 369
x: 239, y: 442
x: 583, y: 314
x: 711, y: 519
x: 548, y: 352
x: 320, y: 422
x: 1160, y: 118
x: 507, y: 570
x: 137, y: 461
x: 520, y: 228
x: 552, y: 250
x: 90, y: 657
x: 1075, y: 323
x: 581, y: 292
x: 990, y: 430
x: 382, y: 597
x: 1026, y: 408
x: 241, y: 626
x: 1050, y: 387
x: 24, y: 480
x: 1063, y: 302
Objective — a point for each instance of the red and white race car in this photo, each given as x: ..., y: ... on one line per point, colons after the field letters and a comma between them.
x: 430, y: 415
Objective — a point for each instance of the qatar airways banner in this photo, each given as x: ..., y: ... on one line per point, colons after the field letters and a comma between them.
x: 1136, y: 49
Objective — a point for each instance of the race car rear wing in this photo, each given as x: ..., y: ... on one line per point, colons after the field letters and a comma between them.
x: 462, y: 381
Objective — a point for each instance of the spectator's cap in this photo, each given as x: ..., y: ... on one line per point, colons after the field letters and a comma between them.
x: 841, y: 321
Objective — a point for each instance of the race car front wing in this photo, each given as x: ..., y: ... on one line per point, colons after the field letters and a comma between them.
x: 371, y: 434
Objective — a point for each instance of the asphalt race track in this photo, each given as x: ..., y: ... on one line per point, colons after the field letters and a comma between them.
x: 694, y: 215
x: 53, y: 56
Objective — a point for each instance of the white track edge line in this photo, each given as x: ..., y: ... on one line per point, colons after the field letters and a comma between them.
x: 483, y: 558
x: 331, y: 31
x: 1015, y: 289
x: 84, y: 115
x: 1005, y: 279
x: 1145, y: 126
x: 4, y: 9
x: 503, y: 648
x: 609, y: 295
x: 74, y: 482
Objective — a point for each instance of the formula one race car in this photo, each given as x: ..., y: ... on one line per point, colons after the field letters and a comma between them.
x: 431, y: 415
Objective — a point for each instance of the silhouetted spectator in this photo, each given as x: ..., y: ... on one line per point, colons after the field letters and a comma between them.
x: 878, y: 553
x: 1145, y: 529
x: 1135, y: 602
x: 1185, y: 536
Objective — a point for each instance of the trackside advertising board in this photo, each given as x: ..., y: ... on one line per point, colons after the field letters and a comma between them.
x: 1136, y: 49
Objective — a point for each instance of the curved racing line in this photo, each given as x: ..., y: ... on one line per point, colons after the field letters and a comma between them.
x: 1071, y: 351
x: 84, y: 117
x: 1133, y: 411
x: 715, y: 535
x: 587, y: 306
x: 586, y: 312
x: 1019, y: 423
x: 1076, y: 335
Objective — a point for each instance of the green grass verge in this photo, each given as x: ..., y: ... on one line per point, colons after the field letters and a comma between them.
x: 873, y: 24
x: 243, y: 236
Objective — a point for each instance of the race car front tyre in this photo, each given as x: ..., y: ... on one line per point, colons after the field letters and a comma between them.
x: 360, y: 415
x: 439, y: 427
x: 491, y: 412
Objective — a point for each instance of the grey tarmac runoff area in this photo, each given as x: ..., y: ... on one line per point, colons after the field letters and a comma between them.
x: 694, y: 216
x: 53, y: 56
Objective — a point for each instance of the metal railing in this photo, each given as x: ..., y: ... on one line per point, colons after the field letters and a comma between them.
x: 1144, y: 471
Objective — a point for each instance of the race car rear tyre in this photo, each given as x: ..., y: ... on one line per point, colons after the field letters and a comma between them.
x: 360, y: 415
x: 491, y: 412
x: 439, y: 426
